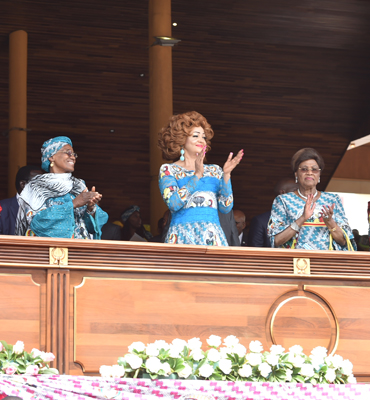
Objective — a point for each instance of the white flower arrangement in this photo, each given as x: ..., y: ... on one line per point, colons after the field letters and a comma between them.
x: 15, y: 361
x: 229, y: 360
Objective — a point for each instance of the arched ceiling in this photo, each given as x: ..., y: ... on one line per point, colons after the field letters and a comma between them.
x: 270, y: 76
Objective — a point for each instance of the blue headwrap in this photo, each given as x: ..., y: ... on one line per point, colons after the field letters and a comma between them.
x: 128, y: 212
x: 50, y: 147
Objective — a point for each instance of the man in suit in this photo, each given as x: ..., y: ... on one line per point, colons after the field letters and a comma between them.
x: 257, y: 236
x: 9, y: 207
x: 239, y: 217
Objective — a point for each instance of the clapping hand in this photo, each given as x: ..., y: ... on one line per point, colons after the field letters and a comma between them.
x: 309, y: 207
x: 231, y: 163
x: 90, y: 198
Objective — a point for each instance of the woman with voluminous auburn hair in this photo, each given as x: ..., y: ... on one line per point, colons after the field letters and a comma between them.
x: 192, y: 190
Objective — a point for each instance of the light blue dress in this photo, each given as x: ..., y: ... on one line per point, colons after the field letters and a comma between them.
x: 194, y: 204
x: 313, y: 235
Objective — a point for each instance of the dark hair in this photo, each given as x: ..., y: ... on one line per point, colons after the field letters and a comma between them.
x: 305, y: 154
x: 173, y: 136
x: 23, y: 174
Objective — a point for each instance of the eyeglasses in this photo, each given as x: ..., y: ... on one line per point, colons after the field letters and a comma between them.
x: 70, y: 153
x: 314, y: 170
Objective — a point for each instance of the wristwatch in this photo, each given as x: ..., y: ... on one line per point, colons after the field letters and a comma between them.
x: 295, y: 226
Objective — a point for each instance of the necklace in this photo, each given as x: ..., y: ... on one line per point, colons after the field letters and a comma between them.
x: 305, y: 197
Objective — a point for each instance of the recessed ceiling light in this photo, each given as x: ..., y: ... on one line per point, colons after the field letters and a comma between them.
x: 174, y: 23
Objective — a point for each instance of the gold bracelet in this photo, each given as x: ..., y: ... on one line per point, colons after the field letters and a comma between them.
x: 332, y: 229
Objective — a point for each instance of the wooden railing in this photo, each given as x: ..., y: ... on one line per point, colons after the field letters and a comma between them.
x: 86, y: 301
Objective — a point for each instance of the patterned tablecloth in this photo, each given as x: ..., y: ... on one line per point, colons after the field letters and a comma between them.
x: 48, y: 387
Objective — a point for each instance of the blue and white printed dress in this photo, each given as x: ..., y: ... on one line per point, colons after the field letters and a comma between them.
x: 314, y: 235
x: 194, y: 204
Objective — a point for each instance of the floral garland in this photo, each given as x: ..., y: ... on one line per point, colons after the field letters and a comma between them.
x: 15, y: 361
x: 232, y: 362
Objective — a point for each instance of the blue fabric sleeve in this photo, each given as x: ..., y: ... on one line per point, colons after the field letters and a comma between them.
x: 342, y: 221
x: 225, y: 195
x: 175, y: 197
x: 56, y: 221
x: 94, y: 224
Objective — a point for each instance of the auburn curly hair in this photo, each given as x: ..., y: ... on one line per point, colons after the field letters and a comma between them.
x: 173, y: 136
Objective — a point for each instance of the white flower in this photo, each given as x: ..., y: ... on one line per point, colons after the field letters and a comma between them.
x: 245, y: 371
x: 319, y: 351
x: 162, y: 344
x: 206, y: 370
x: 214, y: 341
x: 152, y: 350
x: 175, y: 351
x: 18, y: 348
x: 134, y: 360
x: 289, y: 374
x: 231, y: 341
x: 254, y: 358
x: 352, y: 379
x: 138, y: 346
x: 307, y: 370
x: 330, y: 375
x: 117, y: 371
x: 32, y: 370
x: 277, y: 349
x: 197, y: 354
x: 36, y: 353
x: 240, y: 350
x: 297, y: 361
x: 213, y: 355
x: 265, y: 369
x: 317, y: 361
x: 186, y: 372
x: 179, y: 343
x: 194, y: 343
x: 166, y: 368
x: 272, y: 359
x: 255, y: 346
x: 47, y: 357
x: 296, y: 349
x: 153, y: 364
x: 336, y: 360
x: 224, y: 351
x: 225, y: 366
x: 105, y: 371
x: 347, y: 367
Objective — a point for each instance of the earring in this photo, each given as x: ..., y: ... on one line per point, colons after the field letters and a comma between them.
x: 182, y: 152
x: 319, y: 180
x: 52, y: 164
x: 296, y: 180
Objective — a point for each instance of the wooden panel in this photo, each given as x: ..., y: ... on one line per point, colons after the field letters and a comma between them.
x: 20, y: 310
x: 272, y: 77
x: 351, y: 305
x: 139, y: 310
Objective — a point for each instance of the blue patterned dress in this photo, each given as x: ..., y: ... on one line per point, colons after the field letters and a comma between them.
x: 314, y: 235
x: 194, y: 202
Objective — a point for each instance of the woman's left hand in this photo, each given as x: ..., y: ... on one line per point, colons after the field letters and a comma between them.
x: 231, y: 162
x: 327, y: 213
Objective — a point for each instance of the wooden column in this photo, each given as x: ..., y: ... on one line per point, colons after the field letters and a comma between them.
x: 17, y: 155
x: 160, y: 97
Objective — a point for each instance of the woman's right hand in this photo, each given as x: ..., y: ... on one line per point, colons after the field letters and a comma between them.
x: 309, y: 207
x: 199, y: 166
x: 86, y: 197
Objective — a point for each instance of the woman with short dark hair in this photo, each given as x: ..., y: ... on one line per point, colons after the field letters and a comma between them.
x: 307, y: 218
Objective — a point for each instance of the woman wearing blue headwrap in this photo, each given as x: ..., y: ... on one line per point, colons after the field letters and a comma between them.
x: 57, y: 204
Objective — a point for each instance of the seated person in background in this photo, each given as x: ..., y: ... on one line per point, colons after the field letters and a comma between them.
x: 257, y: 236
x: 9, y: 207
x: 361, y: 241
x: 57, y: 204
x: 133, y: 228
x: 239, y: 217
x: 162, y: 228
x: 111, y: 231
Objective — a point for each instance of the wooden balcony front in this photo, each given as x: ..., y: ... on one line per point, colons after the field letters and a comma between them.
x: 86, y: 301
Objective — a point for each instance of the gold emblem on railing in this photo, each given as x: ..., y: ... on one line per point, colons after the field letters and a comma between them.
x: 302, y: 266
x: 58, y: 256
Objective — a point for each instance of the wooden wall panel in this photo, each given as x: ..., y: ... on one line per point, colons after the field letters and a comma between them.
x: 147, y: 310
x: 271, y: 77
